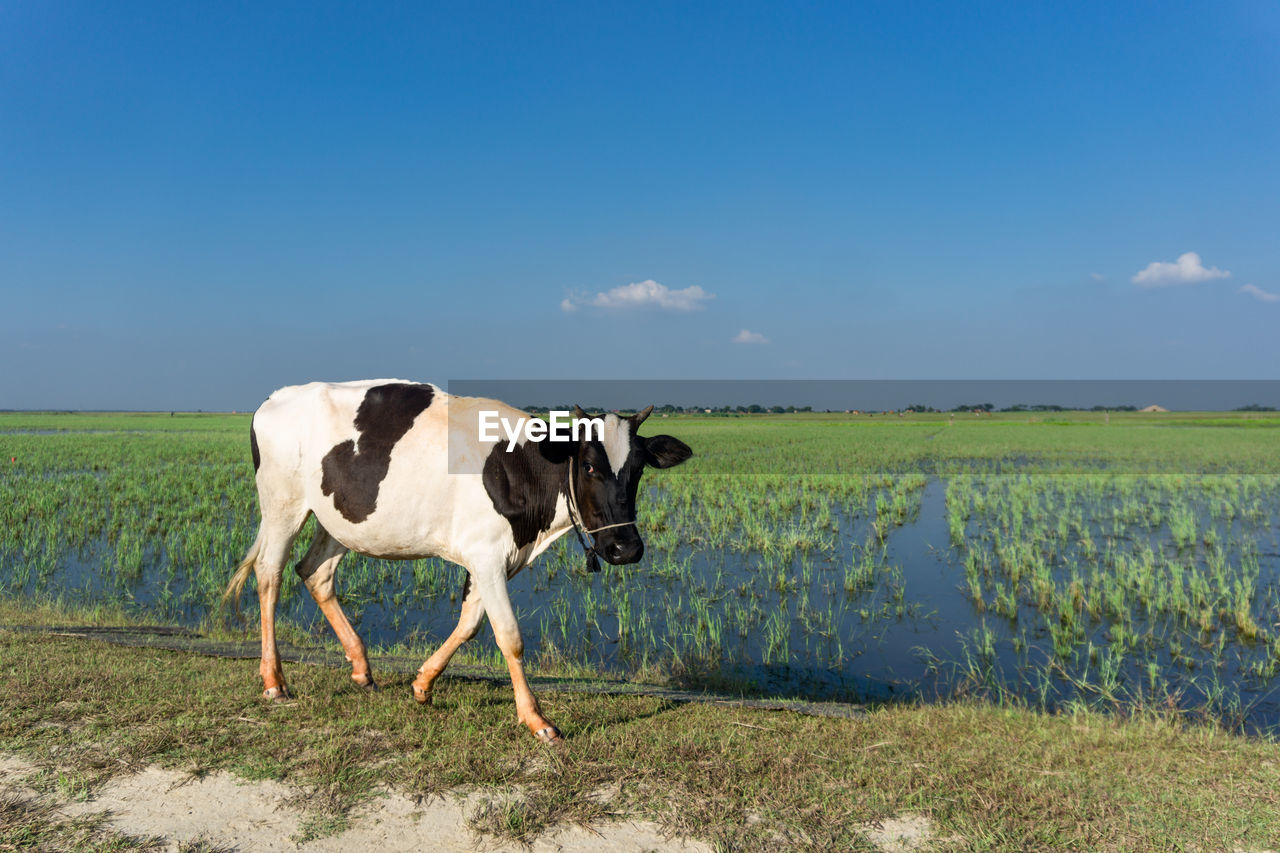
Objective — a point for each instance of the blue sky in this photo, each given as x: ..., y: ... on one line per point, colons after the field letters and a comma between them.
x: 202, y: 202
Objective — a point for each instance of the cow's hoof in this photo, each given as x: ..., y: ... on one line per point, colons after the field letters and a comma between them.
x: 277, y: 694
x: 549, y: 735
x: 422, y: 697
x: 366, y: 681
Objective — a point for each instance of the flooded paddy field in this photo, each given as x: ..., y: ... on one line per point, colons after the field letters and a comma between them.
x: 1130, y: 560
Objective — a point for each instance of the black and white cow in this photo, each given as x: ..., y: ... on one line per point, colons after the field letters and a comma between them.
x: 372, y: 461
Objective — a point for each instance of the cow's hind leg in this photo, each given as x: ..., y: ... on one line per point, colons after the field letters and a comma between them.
x: 269, y: 570
x: 468, y: 625
x: 493, y: 592
x: 316, y: 571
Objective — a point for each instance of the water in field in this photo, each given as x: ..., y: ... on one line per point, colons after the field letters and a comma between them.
x: 1102, y: 587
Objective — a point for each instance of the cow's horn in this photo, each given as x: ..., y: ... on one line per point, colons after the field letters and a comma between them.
x: 640, y: 416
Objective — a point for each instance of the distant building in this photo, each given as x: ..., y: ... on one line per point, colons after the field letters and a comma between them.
x: 1153, y: 408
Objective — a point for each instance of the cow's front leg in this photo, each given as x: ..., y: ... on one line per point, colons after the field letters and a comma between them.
x: 468, y: 625
x: 527, y: 709
x: 493, y: 592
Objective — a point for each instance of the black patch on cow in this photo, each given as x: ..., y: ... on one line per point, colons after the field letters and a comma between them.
x: 304, y: 570
x: 253, y: 448
x: 353, y: 472
x: 523, y: 485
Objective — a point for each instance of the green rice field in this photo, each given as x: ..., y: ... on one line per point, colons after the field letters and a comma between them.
x: 1050, y: 560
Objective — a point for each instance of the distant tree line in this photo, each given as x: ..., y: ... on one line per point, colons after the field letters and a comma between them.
x: 758, y: 409
x: 964, y: 407
x: 1051, y: 407
x: 669, y: 409
x: 1018, y: 407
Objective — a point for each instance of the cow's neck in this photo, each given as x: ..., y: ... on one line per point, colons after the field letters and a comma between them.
x: 562, y: 521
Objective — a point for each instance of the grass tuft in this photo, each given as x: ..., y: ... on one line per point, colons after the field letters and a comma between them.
x: 34, y: 823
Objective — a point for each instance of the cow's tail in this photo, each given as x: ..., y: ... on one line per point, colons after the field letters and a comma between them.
x: 236, y: 586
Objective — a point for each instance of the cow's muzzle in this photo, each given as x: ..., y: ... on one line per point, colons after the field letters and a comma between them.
x: 623, y: 552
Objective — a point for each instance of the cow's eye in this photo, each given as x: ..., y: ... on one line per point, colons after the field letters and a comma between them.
x: 589, y: 468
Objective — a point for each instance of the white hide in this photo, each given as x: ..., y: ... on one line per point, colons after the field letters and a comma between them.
x: 422, y: 509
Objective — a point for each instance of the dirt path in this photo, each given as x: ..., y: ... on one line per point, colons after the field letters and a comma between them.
x: 258, y: 817
x: 230, y: 814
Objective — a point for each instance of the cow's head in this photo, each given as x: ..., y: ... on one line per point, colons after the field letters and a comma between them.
x: 606, y: 474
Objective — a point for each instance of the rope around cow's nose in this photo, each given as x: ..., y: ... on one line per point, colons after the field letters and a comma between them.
x: 607, y: 526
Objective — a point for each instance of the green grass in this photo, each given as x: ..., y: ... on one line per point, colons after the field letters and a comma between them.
x: 991, y: 778
x: 1092, y: 547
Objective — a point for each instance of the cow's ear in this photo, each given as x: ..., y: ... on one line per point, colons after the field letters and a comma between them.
x: 579, y: 415
x: 665, y: 451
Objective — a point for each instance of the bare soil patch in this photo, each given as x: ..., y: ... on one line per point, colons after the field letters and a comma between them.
x: 222, y: 812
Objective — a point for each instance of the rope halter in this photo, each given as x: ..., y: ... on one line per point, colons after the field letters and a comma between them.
x: 579, y: 528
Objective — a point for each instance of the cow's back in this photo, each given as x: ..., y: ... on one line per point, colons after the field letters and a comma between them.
x: 298, y: 422
x: 371, y: 460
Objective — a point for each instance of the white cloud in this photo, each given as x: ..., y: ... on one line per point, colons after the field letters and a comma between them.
x: 1187, y: 270
x: 1259, y: 294
x: 1097, y: 276
x: 642, y: 294
x: 747, y: 337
